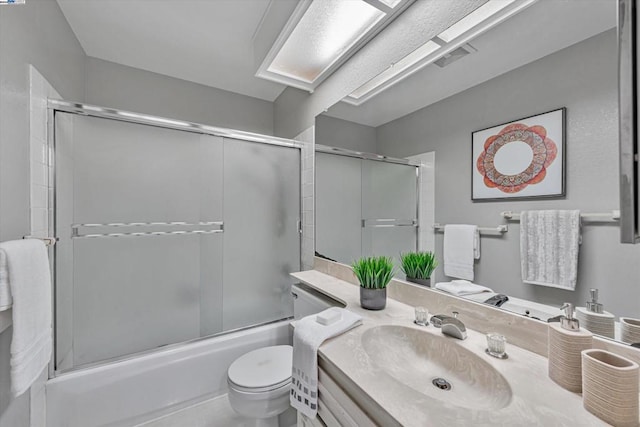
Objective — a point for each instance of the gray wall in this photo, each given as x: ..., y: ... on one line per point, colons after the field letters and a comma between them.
x: 35, y: 33
x: 344, y: 134
x: 582, y: 78
x: 113, y: 85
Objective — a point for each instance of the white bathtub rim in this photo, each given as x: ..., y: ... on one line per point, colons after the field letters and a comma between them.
x: 190, y: 348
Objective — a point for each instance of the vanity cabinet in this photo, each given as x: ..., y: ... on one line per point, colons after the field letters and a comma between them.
x: 335, y: 407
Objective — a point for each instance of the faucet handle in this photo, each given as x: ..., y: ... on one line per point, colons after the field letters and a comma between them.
x: 455, y: 314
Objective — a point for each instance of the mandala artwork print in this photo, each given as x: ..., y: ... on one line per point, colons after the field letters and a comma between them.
x: 544, y: 153
x: 520, y: 159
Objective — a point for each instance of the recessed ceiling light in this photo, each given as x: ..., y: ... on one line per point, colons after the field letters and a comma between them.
x: 321, y: 35
x: 327, y: 29
x: 446, y: 43
x: 476, y: 17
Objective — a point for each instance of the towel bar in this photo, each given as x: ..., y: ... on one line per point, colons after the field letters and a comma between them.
x: 391, y: 222
x: 137, y: 229
x: 612, y: 216
x: 503, y: 228
x: 48, y: 241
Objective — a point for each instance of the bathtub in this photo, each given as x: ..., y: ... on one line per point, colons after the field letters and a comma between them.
x: 129, y: 392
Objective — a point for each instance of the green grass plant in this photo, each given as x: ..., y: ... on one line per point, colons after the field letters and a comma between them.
x: 418, y: 265
x: 374, y: 272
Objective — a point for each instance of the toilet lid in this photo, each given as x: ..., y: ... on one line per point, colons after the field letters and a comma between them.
x: 263, y: 367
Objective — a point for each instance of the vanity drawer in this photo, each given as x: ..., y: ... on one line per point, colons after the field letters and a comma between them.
x: 345, y: 411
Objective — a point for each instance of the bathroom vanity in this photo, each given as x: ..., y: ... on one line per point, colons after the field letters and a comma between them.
x: 391, y: 372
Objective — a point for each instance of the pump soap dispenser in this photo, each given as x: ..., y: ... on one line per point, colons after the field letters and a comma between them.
x: 594, y: 318
x: 566, y: 342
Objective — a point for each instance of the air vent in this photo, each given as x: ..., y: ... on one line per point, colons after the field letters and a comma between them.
x: 454, y: 55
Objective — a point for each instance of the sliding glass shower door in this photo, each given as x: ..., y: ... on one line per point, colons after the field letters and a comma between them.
x: 166, y: 236
x: 364, y: 208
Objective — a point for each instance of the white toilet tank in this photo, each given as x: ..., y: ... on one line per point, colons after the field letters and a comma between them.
x: 307, y: 301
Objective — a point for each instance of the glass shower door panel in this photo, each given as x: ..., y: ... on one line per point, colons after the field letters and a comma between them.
x: 389, y: 191
x: 390, y: 241
x: 261, y: 238
x: 338, y: 207
x: 133, y: 293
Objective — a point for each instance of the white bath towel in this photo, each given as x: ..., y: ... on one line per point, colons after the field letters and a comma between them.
x: 5, y: 290
x: 307, y: 337
x: 462, y: 287
x: 461, y: 247
x: 549, y: 246
x: 30, y: 281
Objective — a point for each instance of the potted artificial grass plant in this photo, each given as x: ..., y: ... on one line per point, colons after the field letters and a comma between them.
x: 374, y: 274
x: 418, y: 266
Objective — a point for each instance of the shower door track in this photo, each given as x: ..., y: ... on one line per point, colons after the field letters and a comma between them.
x: 163, y: 122
x: 362, y: 155
x: 57, y: 105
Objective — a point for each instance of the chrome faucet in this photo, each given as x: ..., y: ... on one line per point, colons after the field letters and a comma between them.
x: 453, y: 327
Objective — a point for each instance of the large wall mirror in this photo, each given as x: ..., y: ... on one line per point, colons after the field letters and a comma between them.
x: 549, y: 55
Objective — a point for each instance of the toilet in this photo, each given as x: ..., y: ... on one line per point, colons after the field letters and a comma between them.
x: 259, y: 381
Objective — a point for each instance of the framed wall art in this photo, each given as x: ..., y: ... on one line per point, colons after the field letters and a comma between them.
x: 523, y: 159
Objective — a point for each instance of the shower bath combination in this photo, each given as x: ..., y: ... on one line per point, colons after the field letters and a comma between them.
x: 176, y: 241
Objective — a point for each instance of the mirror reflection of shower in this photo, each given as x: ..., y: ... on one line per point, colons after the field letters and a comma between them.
x: 364, y: 207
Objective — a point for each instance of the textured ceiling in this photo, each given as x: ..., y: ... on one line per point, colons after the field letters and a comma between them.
x: 203, y: 41
x: 545, y: 27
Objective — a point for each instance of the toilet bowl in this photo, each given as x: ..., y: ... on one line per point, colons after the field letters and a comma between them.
x: 260, y: 381
x: 259, y: 384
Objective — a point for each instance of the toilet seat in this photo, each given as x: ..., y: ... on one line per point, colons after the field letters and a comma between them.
x: 262, y: 370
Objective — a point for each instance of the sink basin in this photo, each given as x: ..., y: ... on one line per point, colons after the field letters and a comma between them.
x: 436, y: 367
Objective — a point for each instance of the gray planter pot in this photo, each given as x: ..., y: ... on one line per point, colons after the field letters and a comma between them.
x: 423, y: 282
x: 373, y: 299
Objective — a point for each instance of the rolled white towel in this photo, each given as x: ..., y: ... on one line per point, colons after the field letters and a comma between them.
x: 462, y: 287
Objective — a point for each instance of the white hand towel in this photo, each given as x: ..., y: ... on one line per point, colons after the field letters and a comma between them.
x: 307, y: 337
x: 30, y: 281
x: 5, y: 290
x: 461, y: 246
x: 549, y: 246
x: 462, y: 287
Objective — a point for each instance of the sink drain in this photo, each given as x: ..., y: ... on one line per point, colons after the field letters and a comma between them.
x: 441, y: 383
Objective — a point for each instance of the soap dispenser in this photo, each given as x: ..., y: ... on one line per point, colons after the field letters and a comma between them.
x: 594, y: 306
x: 594, y: 318
x: 565, y: 344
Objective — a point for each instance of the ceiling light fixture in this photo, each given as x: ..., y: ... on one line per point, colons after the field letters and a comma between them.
x: 321, y: 35
x: 453, y: 39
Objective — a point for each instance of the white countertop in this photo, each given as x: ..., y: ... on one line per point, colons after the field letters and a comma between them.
x: 536, y: 399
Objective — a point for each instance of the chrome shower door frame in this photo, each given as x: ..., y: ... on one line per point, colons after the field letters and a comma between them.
x: 56, y: 105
